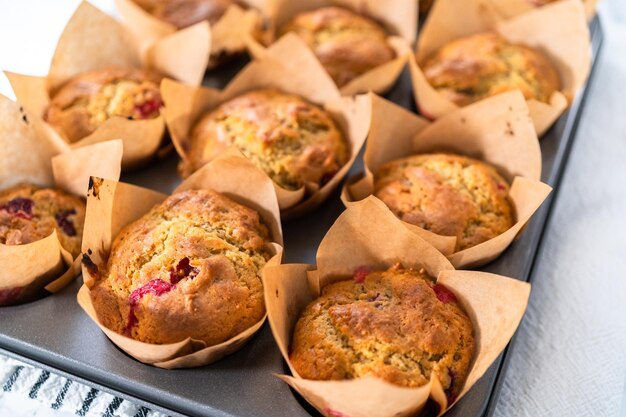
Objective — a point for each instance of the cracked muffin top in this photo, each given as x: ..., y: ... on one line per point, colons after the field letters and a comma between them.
x: 447, y: 194
x: 88, y: 100
x: 397, y: 325
x: 293, y: 141
x: 479, y: 66
x: 346, y: 43
x: 29, y: 213
x: 190, y: 267
x: 184, y: 13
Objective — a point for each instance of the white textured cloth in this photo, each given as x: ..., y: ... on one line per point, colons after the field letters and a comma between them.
x: 30, y: 392
x: 569, y: 359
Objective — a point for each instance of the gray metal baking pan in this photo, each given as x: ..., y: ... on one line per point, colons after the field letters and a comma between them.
x: 55, y: 334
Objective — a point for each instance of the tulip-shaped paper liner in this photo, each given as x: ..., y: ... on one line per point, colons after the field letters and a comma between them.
x: 112, y: 205
x: 93, y: 40
x: 559, y: 31
x: 31, y: 155
x: 226, y: 36
x: 187, y: 104
x: 497, y: 130
x: 399, y: 17
x: 495, y: 305
x: 511, y: 8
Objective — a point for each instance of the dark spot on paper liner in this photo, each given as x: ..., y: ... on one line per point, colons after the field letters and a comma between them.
x: 509, y: 129
x: 24, y: 117
x: 94, y: 186
x: 92, y: 268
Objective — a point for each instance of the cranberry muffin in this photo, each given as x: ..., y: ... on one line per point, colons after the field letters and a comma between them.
x: 447, y: 194
x: 29, y: 213
x: 479, y: 66
x: 184, y: 13
x: 397, y: 325
x: 292, y: 140
x: 84, y: 103
x: 346, y: 43
x: 190, y: 267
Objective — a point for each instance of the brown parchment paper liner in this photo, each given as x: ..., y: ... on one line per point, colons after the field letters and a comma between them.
x: 495, y: 305
x: 112, y: 205
x: 186, y: 104
x: 497, y: 130
x: 511, y: 8
x: 559, y: 31
x: 31, y: 155
x: 93, y: 40
x: 225, y: 37
x: 292, y: 51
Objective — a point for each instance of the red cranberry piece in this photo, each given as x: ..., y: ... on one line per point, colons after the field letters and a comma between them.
x: 451, y: 394
x: 334, y: 413
x: 64, y: 223
x: 156, y: 287
x: 150, y: 108
x: 20, y: 207
x: 444, y: 294
x: 361, y: 273
x: 183, y: 270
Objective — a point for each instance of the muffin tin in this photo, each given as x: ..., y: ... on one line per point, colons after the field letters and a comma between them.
x: 55, y: 334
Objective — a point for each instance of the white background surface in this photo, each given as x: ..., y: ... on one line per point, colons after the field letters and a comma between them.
x: 570, y: 356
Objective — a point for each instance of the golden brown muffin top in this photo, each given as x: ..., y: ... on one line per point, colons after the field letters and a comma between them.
x: 85, y: 102
x: 293, y: 141
x: 184, y: 13
x: 190, y: 267
x: 397, y: 325
x: 346, y: 43
x: 479, y: 66
x: 450, y: 195
x: 29, y: 213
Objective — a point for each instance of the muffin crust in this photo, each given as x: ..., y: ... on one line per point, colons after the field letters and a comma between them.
x: 29, y: 213
x: 84, y: 103
x: 190, y: 267
x: 346, y: 43
x: 479, y: 66
x: 447, y: 194
x: 292, y: 140
x: 397, y: 325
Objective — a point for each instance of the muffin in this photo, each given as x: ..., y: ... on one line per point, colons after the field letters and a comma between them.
x: 397, y: 325
x: 190, y: 267
x: 346, y: 43
x: 184, y: 13
x: 84, y: 103
x: 292, y: 140
x: 29, y: 214
x: 449, y: 195
x: 479, y: 66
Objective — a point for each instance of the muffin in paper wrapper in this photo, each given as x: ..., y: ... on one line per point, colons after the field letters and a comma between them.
x: 399, y: 17
x: 31, y: 154
x: 92, y: 40
x: 497, y: 130
x: 112, y: 205
x: 225, y: 37
x: 187, y: 104
x: 494, y: 304
x: 511, y: 8
x: 559, y: 31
